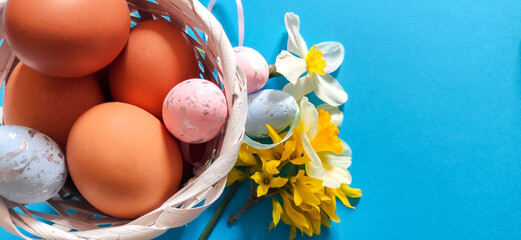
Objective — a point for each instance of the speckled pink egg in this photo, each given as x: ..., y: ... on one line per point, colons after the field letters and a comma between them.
x: 195, y: 111
x: 254, y: 66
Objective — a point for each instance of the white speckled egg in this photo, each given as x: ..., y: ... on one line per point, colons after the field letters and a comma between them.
x: 254, y: 67
x: 274, y: 107
x: 195, y: 111
x: 32, y: 166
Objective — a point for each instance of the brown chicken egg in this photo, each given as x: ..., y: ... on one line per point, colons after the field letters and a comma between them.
x: 48, y: 104
x: 123, y: 160
x: 67, y: 38
x: 157, y: 57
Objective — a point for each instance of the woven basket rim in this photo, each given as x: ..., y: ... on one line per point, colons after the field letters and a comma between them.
x: 201, y: 191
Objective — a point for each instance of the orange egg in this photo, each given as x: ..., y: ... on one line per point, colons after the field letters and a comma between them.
x: 67, y: 38
x: 123, y: 160
x: 157, y: 57
x: 48, y: 104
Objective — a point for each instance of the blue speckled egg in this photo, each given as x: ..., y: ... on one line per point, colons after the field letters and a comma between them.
x: 32, y: 166
x: 273, y: 107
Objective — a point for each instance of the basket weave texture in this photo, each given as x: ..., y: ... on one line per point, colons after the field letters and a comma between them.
x: 76, y: 219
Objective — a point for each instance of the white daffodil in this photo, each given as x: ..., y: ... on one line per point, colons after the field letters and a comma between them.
x: 318, y: 62
x: 329, y: 157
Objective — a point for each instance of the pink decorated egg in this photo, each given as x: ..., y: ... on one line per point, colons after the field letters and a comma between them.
x: 254, y: 67
x: 195, y: 111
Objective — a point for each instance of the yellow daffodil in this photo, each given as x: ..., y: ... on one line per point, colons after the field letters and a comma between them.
x: 329, y: 157
x: 336, y: 167
x: 326, y: 139
x: 305, y: 188
x: 318, y: 62
x: 266, y: 181
x: 336, y: 115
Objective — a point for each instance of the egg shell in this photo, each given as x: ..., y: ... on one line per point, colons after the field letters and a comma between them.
x: 274, y: 107
x: 32, y: 166
x: 48, y: 104
x: 123, y: 160
x: 195, y: 111
x: 254, y: 67
x: 157, y: 57
x: 67, y: 38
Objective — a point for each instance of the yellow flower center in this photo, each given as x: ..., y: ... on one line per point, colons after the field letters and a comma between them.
x: 327, y: 136
x: 315, y: 61
x: 266, y: 181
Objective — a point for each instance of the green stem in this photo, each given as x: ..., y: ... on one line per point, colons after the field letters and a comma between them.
x: 273, y: 71
x: 219, y: 211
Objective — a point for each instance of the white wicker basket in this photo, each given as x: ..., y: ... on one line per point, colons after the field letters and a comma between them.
x: 200, y: 192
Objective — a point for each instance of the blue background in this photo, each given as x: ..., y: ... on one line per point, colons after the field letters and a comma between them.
x: 433, y: 117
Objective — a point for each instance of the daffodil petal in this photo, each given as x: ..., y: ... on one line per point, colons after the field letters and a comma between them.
x: 262, y: 190
x: 290, y: 66
x: 342, y: 160
x: 303, y: 86
x: 299, y: 174
x: 333, y: 54
x: 271, y: 166
x: 289, y: 148
x: 308, y: 118
x: 314, y: 167
x: 266, y: 154
x: 316, y: 184
x: 330, y: 209
x: 309, y: 230
x: 296, y: 197
x: 300, y: 160
x: 324, y: 219
x: 277, y: 211
x: 245, y: 157
x: 278, y: 182
x: 275, y: 137
x: 326, y: 139
x: 292, y: 232
x: 296, y: 43
x: 257, y: 177
x: 305, y: 207
x: 297, y: 218
x: 329, y: 90
x: 337, y: 116
x: 351, y: 192
x: 314, y: 218
x: 335, y: 176
x: 307, y: 197
x: 337, y: 192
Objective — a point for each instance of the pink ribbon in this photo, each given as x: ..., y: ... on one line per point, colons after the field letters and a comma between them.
x: 240, y: 18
